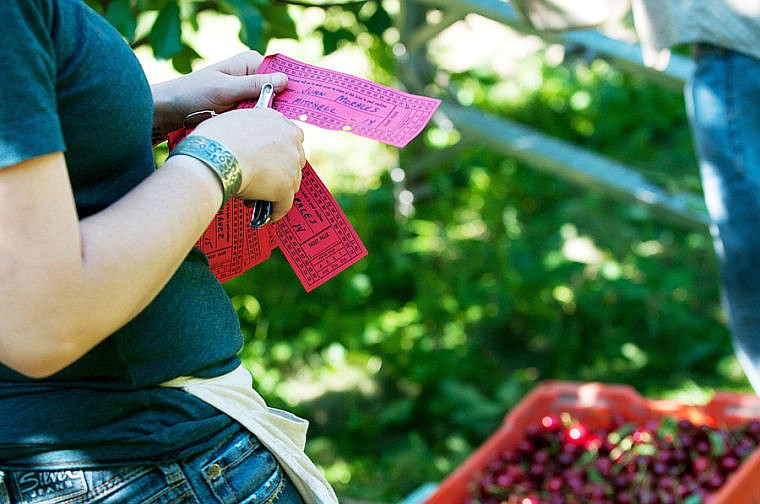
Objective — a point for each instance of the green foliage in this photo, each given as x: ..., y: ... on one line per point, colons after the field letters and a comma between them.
x: 368, y: 18
x: 166, y: 34
x: 119, y: 14
x: 164, y: 25
x: 501, y: 277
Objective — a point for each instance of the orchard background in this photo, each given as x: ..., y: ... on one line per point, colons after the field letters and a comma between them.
x: 494, y: 278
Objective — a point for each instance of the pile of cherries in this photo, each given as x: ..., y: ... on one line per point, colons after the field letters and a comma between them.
x: 664, y: 461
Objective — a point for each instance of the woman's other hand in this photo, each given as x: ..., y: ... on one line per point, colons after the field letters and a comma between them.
x: 218, y: 87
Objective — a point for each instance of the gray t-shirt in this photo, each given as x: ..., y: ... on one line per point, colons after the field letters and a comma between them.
x: 662, y: 24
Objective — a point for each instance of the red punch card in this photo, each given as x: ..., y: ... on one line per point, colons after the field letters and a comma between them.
x: 231, y: 244
x: 338, y: 101
x: 315, y: 235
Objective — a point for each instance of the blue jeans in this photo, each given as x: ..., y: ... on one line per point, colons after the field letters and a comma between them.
x: 723, y: 101
x: 240, y: 471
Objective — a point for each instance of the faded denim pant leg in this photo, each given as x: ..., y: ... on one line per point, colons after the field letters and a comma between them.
x: 723, y: 101
x: 242, y: 471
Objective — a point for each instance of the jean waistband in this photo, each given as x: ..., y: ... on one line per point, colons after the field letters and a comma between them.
x: 706, y: 48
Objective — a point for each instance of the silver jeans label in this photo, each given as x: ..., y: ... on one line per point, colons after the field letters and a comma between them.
x: 38, y: 487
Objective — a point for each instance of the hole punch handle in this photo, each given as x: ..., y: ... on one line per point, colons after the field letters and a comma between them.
x: 262, y: 210
x: 265, y: 97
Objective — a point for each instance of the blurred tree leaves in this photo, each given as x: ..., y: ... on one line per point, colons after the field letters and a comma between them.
x: 164, y: 24
x: 501, y: 276
x: 119, y: 13
x: 166, y: 34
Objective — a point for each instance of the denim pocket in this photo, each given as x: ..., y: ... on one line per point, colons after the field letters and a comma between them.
x: 244, y: 472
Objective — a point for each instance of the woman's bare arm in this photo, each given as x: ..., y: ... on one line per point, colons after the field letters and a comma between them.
x: 69, y: 284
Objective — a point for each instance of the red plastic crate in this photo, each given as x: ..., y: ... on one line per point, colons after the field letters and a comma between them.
x: 594, y: 404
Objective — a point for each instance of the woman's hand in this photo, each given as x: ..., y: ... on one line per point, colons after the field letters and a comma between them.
x: 269, y: 149
x: 218, y: 87
x: 267, y: 145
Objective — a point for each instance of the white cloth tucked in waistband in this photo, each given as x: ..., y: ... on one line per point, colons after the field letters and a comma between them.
x: 283, y: 433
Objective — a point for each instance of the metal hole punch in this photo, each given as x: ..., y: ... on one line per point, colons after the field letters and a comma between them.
x: 262, y: 210
x: 195, y: 118
x: 266, y: 96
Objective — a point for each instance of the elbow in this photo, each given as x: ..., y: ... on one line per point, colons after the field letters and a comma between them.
x: 41, y: 357
x: 35, y: 365
x: 40, y: 338
x: 35, y: 371
x: 32, y: 368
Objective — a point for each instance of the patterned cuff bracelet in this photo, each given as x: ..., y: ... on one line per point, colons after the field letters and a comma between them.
x: 217, y: 157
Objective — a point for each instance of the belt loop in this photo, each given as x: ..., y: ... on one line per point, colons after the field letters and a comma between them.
x: 172, y: 472
x: 4, y: 497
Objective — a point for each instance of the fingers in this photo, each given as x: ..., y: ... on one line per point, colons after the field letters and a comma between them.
x: 269, y: 148
x: 281, y: 208
x: 235, y: 79
x: 244, y: 63
x: 299, y: 178
x: 299, y: 132
x: 301, y: 158
x: 283, y: 205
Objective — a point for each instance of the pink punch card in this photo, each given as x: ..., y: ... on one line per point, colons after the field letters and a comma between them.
x: 338, y: 101
x: 315, y: 236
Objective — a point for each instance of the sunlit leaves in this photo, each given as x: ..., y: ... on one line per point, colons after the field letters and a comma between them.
x: 121, y: 15
x: 166, y: 25
x: 166, y: 35
x: 251, y: 20
x: 278, y: 22
x: 378, y: 21
x: 333, y: 38
x: 183, y: 60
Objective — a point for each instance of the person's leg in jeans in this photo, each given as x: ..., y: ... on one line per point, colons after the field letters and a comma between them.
x: 723, y: 101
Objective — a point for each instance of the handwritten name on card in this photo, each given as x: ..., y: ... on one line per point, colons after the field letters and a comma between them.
x: 338, y: 101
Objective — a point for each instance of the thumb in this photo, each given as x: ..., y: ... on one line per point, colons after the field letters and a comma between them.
x: 238, y: 88
x: 254, y: 83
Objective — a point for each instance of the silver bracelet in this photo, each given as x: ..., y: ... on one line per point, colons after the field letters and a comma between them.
x: 217, y: 157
